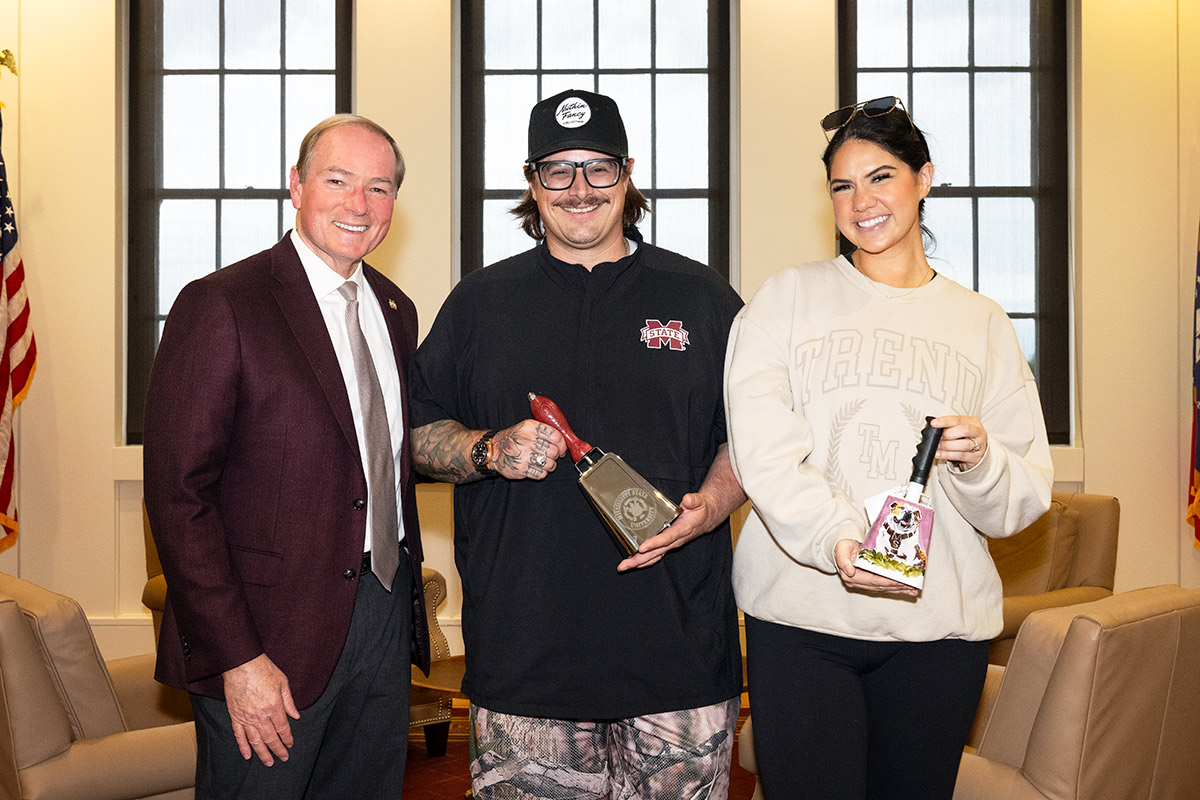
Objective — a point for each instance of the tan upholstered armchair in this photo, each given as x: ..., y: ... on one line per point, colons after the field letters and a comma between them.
x: 428, y: 710
x: 73, y: 727
x: 1068, y: 556
x: 1098, y: 700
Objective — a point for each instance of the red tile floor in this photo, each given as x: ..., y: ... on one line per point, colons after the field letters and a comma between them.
x: 446, y: 777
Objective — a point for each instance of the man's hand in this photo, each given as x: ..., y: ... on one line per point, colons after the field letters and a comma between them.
x: 529, y: 449
x: 692, y: 522
x: 260, y: 703
x: 844, y: 552
x: 701, y: 511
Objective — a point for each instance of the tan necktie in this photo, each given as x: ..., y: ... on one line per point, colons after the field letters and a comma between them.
x: 381, y: 467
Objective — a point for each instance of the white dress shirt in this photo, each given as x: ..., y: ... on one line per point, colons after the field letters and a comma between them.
x: 325, y: 283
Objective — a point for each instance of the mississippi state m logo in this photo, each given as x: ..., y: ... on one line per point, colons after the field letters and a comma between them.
x: 655, y: 335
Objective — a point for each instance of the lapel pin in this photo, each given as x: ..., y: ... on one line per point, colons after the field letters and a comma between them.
x: 392, y: 304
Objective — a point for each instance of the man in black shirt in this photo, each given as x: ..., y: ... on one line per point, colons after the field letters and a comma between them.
x: 608, y: 675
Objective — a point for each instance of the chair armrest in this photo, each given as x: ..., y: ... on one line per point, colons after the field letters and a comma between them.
x: 125, y: 765
x: 983, y: 779
x: 746, y: 757
x: 144, y: 702
x: 154, y: 593
x: 1018, y: 607
x: 433, y: 584
x: 991, y: 687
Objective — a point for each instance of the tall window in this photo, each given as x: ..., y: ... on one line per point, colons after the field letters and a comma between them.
x: 986, y: 81
x: 221, y: 92
x: 665, y: 62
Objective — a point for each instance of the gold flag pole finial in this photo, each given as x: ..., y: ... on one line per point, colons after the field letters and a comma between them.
x: 7, y: 59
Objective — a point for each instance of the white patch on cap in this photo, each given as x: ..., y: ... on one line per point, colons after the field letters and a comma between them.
x: 573, y: 112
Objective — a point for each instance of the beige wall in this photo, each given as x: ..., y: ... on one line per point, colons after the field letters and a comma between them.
x: 1137, y: 204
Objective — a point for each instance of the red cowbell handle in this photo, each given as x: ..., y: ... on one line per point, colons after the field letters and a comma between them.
x: 547, y: 411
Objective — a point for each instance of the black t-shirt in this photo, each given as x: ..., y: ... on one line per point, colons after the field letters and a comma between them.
x: 633, y: 353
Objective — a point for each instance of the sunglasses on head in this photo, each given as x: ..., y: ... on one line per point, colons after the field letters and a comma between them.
x: 869, y: 108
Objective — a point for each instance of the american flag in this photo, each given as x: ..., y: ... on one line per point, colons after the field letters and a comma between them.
x: 20, y: 355
x: 1193, y: 509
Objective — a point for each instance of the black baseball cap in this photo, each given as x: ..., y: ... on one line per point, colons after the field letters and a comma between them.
x: 576, y: 120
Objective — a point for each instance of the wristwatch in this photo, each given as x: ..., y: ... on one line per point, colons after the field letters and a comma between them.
x: 481, y: 453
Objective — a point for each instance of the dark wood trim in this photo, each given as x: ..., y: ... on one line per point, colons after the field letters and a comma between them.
x: 1051, y: 216
x: 145, y: 173
x: 471, y: 137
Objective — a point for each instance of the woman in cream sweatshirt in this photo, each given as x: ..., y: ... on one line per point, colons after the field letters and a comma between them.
x: 863, y: 687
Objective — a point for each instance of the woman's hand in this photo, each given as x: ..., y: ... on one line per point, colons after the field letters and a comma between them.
x: 964, y: 441
x: 844, y: 552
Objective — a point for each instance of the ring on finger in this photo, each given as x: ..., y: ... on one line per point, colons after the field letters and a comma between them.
x: 974, y: 445
x: 537, y: 460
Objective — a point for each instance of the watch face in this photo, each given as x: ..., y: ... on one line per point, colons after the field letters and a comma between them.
x: 479, y: 453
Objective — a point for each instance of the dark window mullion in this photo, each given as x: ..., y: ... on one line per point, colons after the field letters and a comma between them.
x: 283, y: 74
x: 654, y: 195
x: 222, y: 77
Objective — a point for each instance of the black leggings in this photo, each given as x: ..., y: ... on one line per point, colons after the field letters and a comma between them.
x: 844, y: 718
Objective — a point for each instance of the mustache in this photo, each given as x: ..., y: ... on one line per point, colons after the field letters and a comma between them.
x: 579, y: 202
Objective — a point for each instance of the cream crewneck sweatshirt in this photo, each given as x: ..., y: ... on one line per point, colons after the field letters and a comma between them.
x: 828, y: 379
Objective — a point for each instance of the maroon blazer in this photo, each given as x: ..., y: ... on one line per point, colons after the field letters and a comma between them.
x: 253, y: 481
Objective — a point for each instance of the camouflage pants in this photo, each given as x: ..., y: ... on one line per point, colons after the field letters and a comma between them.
x: 677, y: 755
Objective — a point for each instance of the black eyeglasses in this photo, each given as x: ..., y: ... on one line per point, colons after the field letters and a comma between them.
x: 869, y: 108
x: 600, y: 173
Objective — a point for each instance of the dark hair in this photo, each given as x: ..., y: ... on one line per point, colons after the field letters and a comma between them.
x: 896, y: 133
x: 308, y: 145
x: 526, y: 210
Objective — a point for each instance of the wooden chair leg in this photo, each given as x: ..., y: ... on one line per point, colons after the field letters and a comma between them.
x: 435, y: 738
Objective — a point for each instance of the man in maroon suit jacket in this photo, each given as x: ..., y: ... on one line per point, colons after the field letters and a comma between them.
x: 295, y: 655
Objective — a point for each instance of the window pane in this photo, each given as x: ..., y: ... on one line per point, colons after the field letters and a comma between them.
x: 632, y: 95
x: 1002, y: 33
x: 289, y: 215
x: 682, y: 226
x: 502, y: 234
x: 882, y: 33
x: 310, y: 99
x: 950, y: 220
x: 567, y: 34
x: 681, y: 116
x: 251, y: 35
x: 1003, y: 120
x: 561, y: 82
x: 187, y: 236
x: 624, y: 34
x: 509, y: 40
x: 1007, y: 252
x: 681, y: 33
x: 507, y: 100
x: 941, y: 109
x: 190, y: 35
x: 191, y: 146
x: 247, y: 226
x: 252, y: 132
x: 311, y: 31
x: 881, y: 84
x: 1027, y: 338
x: 941, y: 32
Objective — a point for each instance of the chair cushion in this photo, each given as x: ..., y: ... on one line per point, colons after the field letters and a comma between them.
x: 1039, y: 558
x: 37, y: 726
x: 71, y: 657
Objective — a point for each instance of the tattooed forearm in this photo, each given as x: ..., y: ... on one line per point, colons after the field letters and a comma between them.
x: 442, y: 451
